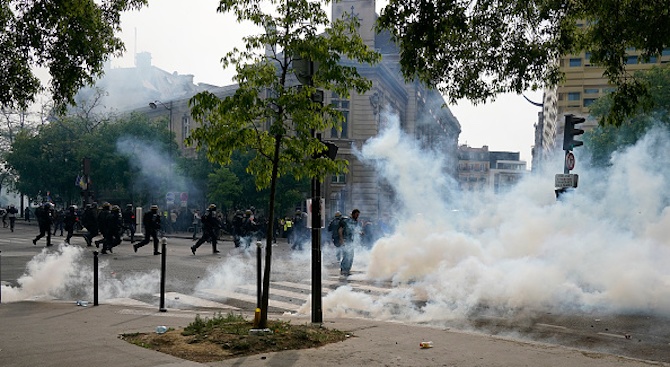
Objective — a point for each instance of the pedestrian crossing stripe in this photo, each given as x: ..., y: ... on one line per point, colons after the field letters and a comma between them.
x: 360, y: 287
x: 194, y: 301
x: 126, y: 302
x: 220, y: 293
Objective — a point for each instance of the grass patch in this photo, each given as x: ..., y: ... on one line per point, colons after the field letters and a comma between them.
x: 227, y: 336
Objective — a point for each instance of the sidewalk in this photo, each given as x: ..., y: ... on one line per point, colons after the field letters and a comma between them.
x: 63, y: 334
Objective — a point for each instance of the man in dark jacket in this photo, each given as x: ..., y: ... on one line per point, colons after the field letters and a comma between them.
x: 152, y: 223
x: 210, y: 225
x: 68, y: 222
x: 90, y: 222
x: 44, y: 221
x: 129, y: 221
x: 11, y: 213
x: 112, y: 234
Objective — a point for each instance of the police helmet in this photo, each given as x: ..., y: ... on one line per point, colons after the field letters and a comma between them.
x: 129, y: 205
x: 338, y: 214
x: 115, y: 208
x: 154, y: 207
x: 212, y: 207
x: 248, y: 212
x: 11, y: 205
x: 106, y: 205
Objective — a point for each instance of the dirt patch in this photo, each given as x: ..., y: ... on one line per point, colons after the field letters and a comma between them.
x: 231, y: 336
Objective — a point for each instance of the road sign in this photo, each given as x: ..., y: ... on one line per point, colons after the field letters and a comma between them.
x: 169, y: 198
x: 569, y: 160
x: 566, y: 180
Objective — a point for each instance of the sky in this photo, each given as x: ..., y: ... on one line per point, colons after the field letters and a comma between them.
x: 192, y: 39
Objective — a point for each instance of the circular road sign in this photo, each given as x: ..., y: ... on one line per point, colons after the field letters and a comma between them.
x: 570, y: 160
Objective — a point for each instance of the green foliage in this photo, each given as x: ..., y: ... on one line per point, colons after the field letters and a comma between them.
x: 70, y: 38
x: 268, y: 109
x: 652, y: 109
x: 478, y: 49
x: 270, y: 115
x: 230, y: 323
x: 50, y: 160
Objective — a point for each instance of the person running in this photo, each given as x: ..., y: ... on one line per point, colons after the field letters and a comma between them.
x: 68, y: 222
x: 44, y: 221
x: 152, y: 223
x: 210, y: 224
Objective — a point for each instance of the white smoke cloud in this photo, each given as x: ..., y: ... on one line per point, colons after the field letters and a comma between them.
x: 601, y: 248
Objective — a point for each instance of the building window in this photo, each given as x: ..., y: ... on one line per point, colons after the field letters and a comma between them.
x: 185, y: 127
x: 343, y: 106
x: 340, y: 178
x: 588, y: 101
x: 665, y: 52
x: 652, y: 59
x: 591, y: 90
x: 575, y: 62
x: 631, y: 60
x: 574, y: 96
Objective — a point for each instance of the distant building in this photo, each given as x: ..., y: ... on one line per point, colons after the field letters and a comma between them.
x: 583, y: 84
x: 482, y: 170
x: 419, y: 109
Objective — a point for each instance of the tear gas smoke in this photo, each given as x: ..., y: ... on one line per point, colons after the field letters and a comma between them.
x: 602, y: 248
x: 66, y: 273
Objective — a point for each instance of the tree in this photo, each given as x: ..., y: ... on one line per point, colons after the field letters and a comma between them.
x: 50, y: 160
x: 654, y: 108
x: 478, y: 49
x: 70, y: 38
x: 269, y: 114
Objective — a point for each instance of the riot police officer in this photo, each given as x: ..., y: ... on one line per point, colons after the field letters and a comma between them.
x: 152, y: 223
x: 210, y: 225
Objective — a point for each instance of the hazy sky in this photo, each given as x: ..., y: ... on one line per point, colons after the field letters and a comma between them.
x: 191, y: 39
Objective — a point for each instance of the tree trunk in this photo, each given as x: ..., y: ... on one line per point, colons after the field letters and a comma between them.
x: 265, y: 296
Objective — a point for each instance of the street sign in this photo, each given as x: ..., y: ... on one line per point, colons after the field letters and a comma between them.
x: 169, y: 198
x: 569, y: 161
x: 566, y: 180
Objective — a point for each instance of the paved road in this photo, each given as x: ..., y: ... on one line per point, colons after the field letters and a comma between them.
x: 226, y: 282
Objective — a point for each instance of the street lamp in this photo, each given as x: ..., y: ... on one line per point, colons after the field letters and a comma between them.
x: 153, y: 106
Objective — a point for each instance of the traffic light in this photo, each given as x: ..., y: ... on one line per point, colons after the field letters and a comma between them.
x: 570, y: 132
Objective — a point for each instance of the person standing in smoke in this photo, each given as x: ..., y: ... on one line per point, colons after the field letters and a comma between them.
x: 129, y: 221
x: 11, y: 214
x: 238, y: 221
x: 44, y: 221
x: 350, y: 231
x: 152, y: 223
x: 299, y: 229
x: 70, y: 218
x: 249, y: 228
x: 210, y: 225
x: 90, y: 221
x: 196, y: 223
x: 333, y: 228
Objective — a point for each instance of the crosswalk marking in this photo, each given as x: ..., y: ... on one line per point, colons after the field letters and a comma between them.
x: 220, y: 293
x: 125, y: 302
x: 358, y: 286
x: 301, y: 296
x: 195, y: 301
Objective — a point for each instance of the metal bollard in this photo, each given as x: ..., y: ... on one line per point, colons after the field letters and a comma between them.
x: 95, y: 278
x: 163, y: 260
